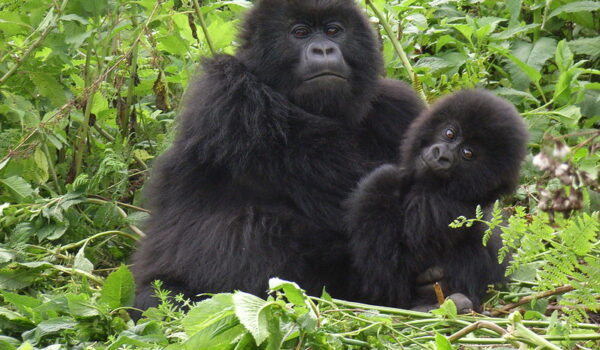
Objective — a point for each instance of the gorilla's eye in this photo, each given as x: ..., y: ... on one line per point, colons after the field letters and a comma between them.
x: 467, y: 153
x: 301, y: 32
x: 450, y: 134
x: 333, y: 30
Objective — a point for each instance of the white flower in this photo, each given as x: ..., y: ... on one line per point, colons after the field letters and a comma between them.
x: 561, y: 150
x: 541, y: 161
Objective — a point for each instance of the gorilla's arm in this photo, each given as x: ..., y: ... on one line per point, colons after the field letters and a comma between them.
x: 238, y: 126
x: 374, y: 220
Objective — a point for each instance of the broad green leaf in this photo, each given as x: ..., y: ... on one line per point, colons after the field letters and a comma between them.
x: 586, y: 46
x: 222, y: 335
x: 81, y: 262
x: 531, y: 72
x: 514, y: 9
x: 292, y: 291
x: 5, y: 255
x: 99, y: 103
x: 41, y: 161
x: 143, y: 335
x: 118, y: 289
x: 48, y: 327
x: 464, y: 29
x: 80, y: 305
x: 208, y: 312
x: 577, y: 6
x: 563, y: 56
x: 23, y: 303
x: 528, y: 59
x: 512, y: 32
x: 442, y: 342
x: 250, y: 310
x: 18, y: 187
x: 49, y: 87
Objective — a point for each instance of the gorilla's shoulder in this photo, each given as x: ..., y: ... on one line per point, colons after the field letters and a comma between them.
x: 398, y: 94
x: 395, y: 106
x: 223, y: 66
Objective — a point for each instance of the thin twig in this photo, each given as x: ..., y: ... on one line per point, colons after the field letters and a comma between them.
x: 475, y: 326
x: 507, y: 308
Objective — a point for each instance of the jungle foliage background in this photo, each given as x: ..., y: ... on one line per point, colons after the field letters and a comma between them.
x: 89, y: 91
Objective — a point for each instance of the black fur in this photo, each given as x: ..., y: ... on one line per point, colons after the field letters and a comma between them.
x: 253, y: 184
x: 399, y: 214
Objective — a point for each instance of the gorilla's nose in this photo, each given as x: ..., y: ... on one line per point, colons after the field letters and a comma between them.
x: 441, y: 156
x: 324, y: 53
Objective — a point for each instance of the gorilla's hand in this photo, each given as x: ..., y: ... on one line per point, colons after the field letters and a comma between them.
x: 426, y: 281
x: 464, y: 305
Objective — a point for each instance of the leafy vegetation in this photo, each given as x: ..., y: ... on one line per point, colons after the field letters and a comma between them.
x: 88, y: 95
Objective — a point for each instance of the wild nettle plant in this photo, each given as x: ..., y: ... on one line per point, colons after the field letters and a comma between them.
x: 560, y: 244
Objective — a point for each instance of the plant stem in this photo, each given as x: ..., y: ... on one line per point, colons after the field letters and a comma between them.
x: 97, y: 235
x: 506, y: 308
x: 203, y: 26
x: 82, y: 135
x: 388, y: 310
x: 399, y: 50
x: 475, y: 326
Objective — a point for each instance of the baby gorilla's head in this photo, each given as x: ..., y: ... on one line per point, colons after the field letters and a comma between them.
x: 468, y: 145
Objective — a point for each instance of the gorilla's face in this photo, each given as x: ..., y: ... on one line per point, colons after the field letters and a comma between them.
x: 450, y: 153
x: 322, y: 55
x: 468, y: 145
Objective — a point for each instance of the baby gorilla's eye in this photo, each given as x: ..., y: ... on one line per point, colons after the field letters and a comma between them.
x: 450, y: 134
x: 467, y: 153
x: 332, y: 30
x: 301, y: 32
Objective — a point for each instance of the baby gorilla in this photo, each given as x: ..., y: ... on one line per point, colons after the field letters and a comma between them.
x: 463, y: 152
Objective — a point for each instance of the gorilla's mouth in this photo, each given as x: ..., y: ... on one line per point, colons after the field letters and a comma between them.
x: 326, y: 75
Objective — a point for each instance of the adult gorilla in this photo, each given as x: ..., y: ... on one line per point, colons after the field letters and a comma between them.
x: 270, y: 143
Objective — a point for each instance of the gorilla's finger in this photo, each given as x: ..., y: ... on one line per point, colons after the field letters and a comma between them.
x: 431, y: 275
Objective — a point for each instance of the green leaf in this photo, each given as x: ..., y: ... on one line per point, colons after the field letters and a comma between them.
x: 577, y: 6
x: 512, y: 32
x: 448, y: 309
x: 529, y: 59
x: 292, y: 291
x: 5, y: 255
x: 19, y: 188
x: 118, y: 289
x: 143, y: 335
x: 39, y: 157
x: 13, y: 279
x: 563, y: 56
x: 208, y: 312
x: 586, y: 46
x: 465, y: 29
x: 81, y: 306
x: 49, y: 327
x: 81, y: 262
x: 442, y: 342
x: 250, y: 310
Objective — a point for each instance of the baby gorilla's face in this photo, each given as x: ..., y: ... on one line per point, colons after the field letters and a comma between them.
x: 449, y: 153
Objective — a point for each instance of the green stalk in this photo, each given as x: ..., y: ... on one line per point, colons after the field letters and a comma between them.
x: 84, y: 128
x: 203, y: 26
x: 399, y: 50
x: 97, y: 235
x: 51, y: 167
x: 388, y: 310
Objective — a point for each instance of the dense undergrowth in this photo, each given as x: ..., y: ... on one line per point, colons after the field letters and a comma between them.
x: 88, y: 95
